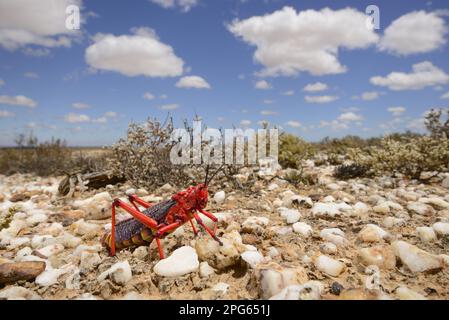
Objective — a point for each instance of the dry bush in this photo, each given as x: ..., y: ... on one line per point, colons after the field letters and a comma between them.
x: 350, y: 171
x: 408, y: 156
x: 292, y: 150
x: 435, y: 125
x: 44, y: 159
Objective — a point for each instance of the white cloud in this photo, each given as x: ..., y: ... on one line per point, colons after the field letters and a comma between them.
x: 192, y: 82
x: 268, y: 101
x: 148, y: 96
x: 172, y: 106
x: 2, y: 82
x: 76, y: 118
x: 36, y: 52
x: 184, y: 5
x: 5, y: 114
x: 140, y: 53
x: 423, y: 75
x: 111, y: 114
x: 396, y: 111
x: 268, y: 112
x: 245, y: 123
x: 100, y: 120
x: 288, y: 93
x: 263, y: 85
x: 334, y: 125
x: 315, y: 87
x: 288, y: 42
x: 414, y: 32
x: 80, y: 105
x: 370, y: 95
x: 445, y: 96
x: 294, y: 124
x: 320, y: 99
x: 416, y: 124
x: 40, y: 23
x: 349, y: 117
x: 18, y: 101
x: 31, y: 75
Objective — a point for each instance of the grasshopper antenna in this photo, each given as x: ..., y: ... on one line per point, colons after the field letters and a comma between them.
x: 214, y: 174
x: 207, y: 173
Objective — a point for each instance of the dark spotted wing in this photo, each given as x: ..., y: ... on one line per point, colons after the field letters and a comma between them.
x: 127, y: 228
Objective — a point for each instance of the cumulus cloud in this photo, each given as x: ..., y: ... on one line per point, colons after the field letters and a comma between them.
x: 80, y: 105
x: 148, y: 96
x: 350, y: 117
x: 315, y: 87
x: 40, y: 23
x: 184, y: 5
x: 334, y: 125
x: 288, y: 93
x: 31, y: 75
x: 6, y: 114
x: 245, y: 123
x: 140, y: 53
x: 76, y: 118
x: 414, y: 32
x: 172, y: 106
x: 320, y: 99
x: 424, y: 74
x: 262, y: 85
x: 18, y: 101
x: 396, y: 111
x: 288, y: 42
x: 192, y: 82
x: 370, y: 95
x: 111, y: 114
x: 294, y: 124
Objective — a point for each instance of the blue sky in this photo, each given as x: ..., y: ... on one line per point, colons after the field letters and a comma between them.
x: 233, y: 62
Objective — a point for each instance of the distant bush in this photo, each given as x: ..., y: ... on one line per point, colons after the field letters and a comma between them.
x: 350, y: 171
x: 408, y: 156
x: 292, y: 150
x: 46, y: 158
x: 435, y: 124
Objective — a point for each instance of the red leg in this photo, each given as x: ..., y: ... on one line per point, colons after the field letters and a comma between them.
x: 112, y: 252
x: 147, y: 221
x: 159, y: 248
x: 212, y: 234
x: 134, y: 198
x: 165, y: 229
x: 212, y: 217
x: 195, y: 232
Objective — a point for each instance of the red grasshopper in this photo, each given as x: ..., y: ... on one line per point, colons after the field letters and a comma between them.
x: 158, y: 220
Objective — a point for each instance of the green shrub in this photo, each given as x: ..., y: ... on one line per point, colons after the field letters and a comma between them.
x: 350, y: 171
x: 408, y: 156
x: 292, y: 150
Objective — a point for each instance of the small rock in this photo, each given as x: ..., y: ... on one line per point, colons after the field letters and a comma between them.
x: 421, y: 208
x: 219, y: 197
x: 221, y: 288
x: 133, y: 295
x: 50, y: 277
x: 272, y: 187
x: 273, y: 252
x: 445, y: 183
x: 50, y: 250
x: 372, y: 233
x: 290, y: 215
x: 426, y: 234
x: 22, y: 196
x: 381, y: 256
x: 252, y: 258
x: 328, y: 248
x: 120, y: 273
x: 141, y: 252
x: 404, y: 293
x: 417, y: 260
x: 334, y: 235
x: 390, y: 222
x: 272, y: 278
x: 441, y: 228
x: 336, y: 288
x: 255, y: 224
x: 18, y: 293
x: 310, y: 290
x: 97, y: 207
x: 303, y: 229
x: 12, y: 272
x: 89, y: 260
x: 206, y: 270
x: 82, y: 228
x: 329, y: 266
x: 182, y: 261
